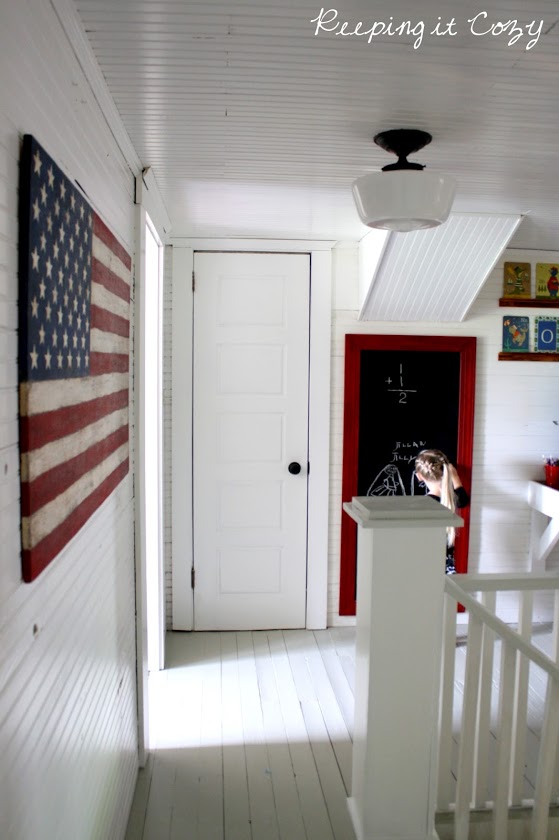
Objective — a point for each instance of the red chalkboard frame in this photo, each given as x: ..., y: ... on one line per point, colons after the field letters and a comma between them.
x: 354, y: 345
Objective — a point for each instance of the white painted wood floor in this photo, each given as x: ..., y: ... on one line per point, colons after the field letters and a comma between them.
x: 253, y: 738
x: 253, y: 735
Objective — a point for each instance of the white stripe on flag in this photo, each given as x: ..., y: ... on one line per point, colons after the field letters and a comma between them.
x: 37, y: 397
x: 102, y: 297
x: 102, y: 342
x: 51, y: 515
x: 59, y: 451
x: 104, y: 254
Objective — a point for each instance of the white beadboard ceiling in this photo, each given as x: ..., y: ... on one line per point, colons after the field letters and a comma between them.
x: 436, y: 274
x: 254, y: 126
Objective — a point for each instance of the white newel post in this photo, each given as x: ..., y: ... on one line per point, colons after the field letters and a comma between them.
x: 401, y: 552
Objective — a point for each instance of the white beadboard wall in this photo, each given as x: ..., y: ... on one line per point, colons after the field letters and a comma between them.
x: 516, y: 403
x: 68, y: 717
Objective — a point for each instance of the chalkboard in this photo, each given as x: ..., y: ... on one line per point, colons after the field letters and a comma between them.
x: 408, y: 402
x: 403, y: 394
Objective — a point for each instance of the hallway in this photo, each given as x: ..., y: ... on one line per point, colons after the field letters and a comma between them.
x: 253, y: 738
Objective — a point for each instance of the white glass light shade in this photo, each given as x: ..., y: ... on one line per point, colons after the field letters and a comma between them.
x: 404, y: 199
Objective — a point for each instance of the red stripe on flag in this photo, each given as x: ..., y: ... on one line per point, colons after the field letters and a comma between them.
x: 107, y: 321
x: 55, y: 481
x: 101, y: 230
x: 40, y: 429
x: 100, y: 363
x: 36, y: 559
x: 102, y: 274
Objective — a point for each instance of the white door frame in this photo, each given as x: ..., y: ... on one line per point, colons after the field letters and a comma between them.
x: 319, y: 417
x: 151, y: 400
x: 147, y: 203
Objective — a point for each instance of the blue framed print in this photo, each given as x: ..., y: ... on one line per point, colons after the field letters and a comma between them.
x: 545, y: 334
x: 516, y: 332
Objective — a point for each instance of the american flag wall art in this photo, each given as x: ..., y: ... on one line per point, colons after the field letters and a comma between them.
x: 74, y: 328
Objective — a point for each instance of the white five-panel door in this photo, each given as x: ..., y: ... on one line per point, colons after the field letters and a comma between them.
x: 250, y: 440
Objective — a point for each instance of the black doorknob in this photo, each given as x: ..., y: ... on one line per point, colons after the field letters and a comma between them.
x: 294, y: 468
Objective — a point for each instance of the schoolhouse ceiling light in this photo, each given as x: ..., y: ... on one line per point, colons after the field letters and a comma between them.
x: 402, y: 196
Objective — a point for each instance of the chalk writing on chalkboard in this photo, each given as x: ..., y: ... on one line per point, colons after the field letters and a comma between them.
x: 407, y: 450
x: 402, y: 390
x: 389, y: 482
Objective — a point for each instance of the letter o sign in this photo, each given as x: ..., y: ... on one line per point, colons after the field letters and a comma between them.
x: 547, y: 336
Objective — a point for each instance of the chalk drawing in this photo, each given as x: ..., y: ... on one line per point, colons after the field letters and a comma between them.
x: 388, y: 482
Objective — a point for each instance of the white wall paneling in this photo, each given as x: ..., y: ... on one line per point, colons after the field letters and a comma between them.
x: 67, y: 641
x: 148, y: 196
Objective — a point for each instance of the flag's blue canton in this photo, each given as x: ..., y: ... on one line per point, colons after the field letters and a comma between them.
x: 59, y: 274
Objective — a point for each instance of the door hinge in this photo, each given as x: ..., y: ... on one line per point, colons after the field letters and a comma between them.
x: 193, y: 282
x: 192, y: 577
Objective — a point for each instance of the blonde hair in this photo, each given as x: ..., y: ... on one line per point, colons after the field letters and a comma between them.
x: 433, y: 465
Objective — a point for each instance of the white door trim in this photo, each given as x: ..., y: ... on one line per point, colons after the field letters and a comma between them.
x: 319, y: 418
x: 181, y: 438
x: 139, y: 432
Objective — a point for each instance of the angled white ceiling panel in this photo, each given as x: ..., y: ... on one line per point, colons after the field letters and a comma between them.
x: 436, y: 274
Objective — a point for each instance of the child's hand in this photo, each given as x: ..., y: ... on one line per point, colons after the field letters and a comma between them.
x: 454, y: 476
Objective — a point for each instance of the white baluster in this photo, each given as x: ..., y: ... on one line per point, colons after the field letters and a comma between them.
x: 521, y: 700
x: 555, y: 656
x: 504, y: 740
x: 446, y: 704
x: 483, y: 737
x: 546, y: 761
x: 555, y: 635
x: 464, y: 784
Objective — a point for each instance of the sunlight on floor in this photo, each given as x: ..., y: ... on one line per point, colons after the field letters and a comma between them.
x: 202, y: 705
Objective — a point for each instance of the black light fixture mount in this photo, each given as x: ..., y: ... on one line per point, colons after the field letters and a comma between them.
x: 402, y: 142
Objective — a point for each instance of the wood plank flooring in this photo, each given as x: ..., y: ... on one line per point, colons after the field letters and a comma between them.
x: 252, y: 738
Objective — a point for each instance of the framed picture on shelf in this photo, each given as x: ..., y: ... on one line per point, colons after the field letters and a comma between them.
x: 516, y: 334
x: 545, y: 334
x: 547, y: 281
x: 517, y: 280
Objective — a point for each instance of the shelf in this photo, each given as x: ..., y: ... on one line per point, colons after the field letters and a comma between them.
x: 539, y: 303
x: 528, y: 357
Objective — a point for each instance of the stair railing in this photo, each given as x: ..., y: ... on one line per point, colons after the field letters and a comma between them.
x: 492, y: 729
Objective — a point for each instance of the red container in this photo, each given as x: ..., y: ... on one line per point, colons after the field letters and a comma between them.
x: 552, y: 476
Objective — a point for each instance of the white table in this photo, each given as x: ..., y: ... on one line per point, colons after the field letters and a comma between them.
x: 544, y: 502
